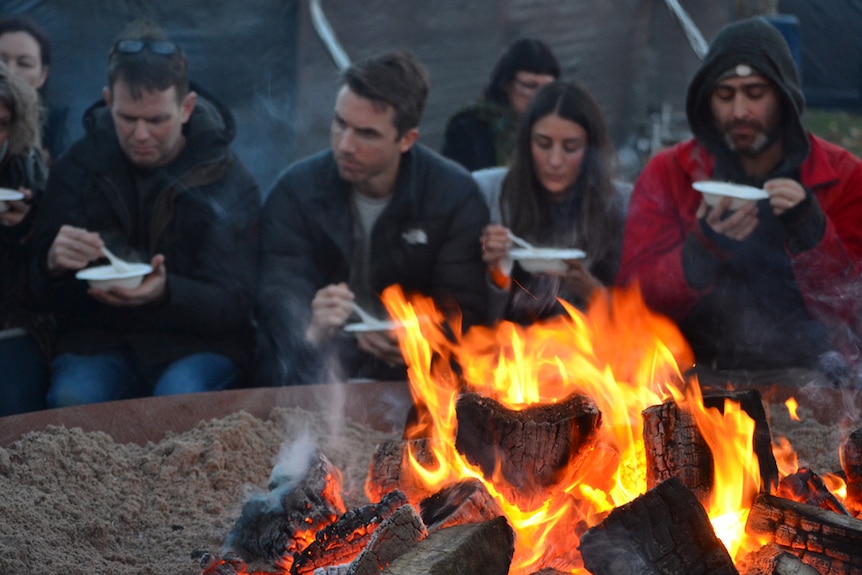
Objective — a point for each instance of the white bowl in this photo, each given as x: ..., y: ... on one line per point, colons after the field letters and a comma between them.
x: 713, y: 192
x: 544, y: 260
x: 7, y: 194
x: 104, y: 277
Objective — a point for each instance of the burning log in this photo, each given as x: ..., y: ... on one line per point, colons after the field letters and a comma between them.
x: 282, y: 521
x: 851, y: 463
x: 751, y: 403
x: 531, y: 450
x: 390, y: 469
x: 805, y: 486
x: 459, y: 504
x: 829, y: 542
x: 230, y: 564
x: 485, y: 548
x: 341, y: 542
x: 664, y: 531
x: 771, y: 559
x: 395, y: 536
x: 675, y: 448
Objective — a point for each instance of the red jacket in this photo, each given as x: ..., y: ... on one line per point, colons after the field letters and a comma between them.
x: 662, y: 212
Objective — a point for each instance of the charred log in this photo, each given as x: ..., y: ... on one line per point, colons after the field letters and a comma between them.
x: 459, y: 504
x: 532, y: 449
x: 280, y: 522
x: 675, y: 448
x: 229, y: 564
x: 390, y: 469
x: 341, y: 542
x: 829, y: 542
x: 771, y: 559
x: 751, y: 403
x: 396, y: 535
x: 664, y: 531
x: 851, y: 463
x: 805, y: 486
x: 479, y: 549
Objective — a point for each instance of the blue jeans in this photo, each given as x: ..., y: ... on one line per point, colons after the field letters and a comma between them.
x: 82, y: 379
x: 23, y: 376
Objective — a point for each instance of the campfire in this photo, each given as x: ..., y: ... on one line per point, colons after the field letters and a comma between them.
x: 574, y: 445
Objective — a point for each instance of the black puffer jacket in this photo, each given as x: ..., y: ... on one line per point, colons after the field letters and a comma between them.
x: 426, y: 240
x: 16, y: 306
x: 204, y: 220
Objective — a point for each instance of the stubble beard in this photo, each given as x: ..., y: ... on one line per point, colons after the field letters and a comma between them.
x: 762, y: 140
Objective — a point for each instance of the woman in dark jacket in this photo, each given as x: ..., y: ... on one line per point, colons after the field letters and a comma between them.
x: 25, y: 48
x: 558, y: 193
x: 25, y: 334
x: 481, y: 135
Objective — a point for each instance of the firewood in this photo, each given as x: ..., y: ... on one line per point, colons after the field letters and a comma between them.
x: 464, y: 502
x: 664, y: 531
x: 479, y: 549
x: 279, y: 523
x: 829, y: 542
x: 751, y: 403
x: 389, y: 469
x: 805, y: 486
x: 851, y: 463
x: 214, y: 564
x: 396, y: 535
x: 771, y: 559
x: 675, y: 448
x: 532, y: 449
x: 342, y: 541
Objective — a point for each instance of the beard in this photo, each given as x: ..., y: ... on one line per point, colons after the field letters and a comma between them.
x: 764, y: 136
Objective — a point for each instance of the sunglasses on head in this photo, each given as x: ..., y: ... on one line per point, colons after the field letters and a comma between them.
x: 160, y: 47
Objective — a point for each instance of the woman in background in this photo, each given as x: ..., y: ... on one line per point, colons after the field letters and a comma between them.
x: 26, y: 50
x: 25, y: 334
x: 481, y: 135
x: 558, y: 192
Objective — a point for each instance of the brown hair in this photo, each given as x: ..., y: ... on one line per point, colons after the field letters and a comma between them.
x: 396, y: 79
x: 25, y: 128
x: 525, y: 203
x: 145, y: 69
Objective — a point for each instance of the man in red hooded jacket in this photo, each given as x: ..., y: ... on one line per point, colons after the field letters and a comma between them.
x: 774, y: 283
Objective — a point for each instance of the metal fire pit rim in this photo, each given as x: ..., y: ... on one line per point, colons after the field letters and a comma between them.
x: 380, y: 405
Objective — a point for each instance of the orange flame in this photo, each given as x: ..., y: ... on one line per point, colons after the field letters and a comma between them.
x: 792, y: 407
x: 785, y: 456
x: 836, y: 485
x: 621, y: 355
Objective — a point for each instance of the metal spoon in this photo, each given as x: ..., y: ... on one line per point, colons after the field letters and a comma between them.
x: 120, y: 266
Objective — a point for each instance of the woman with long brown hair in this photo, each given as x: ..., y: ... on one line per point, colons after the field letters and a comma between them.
x: 25, y: 333
x: 558, y: 192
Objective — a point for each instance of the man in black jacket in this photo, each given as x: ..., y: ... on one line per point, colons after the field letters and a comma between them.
x: 377, y: 209
x: 153, y: 179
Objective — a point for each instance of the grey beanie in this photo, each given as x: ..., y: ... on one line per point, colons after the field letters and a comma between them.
x: 755, y: 43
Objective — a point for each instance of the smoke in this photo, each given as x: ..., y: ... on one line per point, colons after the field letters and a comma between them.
x: 292, y: 462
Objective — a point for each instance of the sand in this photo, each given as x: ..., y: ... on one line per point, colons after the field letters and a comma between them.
x: 79, y: 503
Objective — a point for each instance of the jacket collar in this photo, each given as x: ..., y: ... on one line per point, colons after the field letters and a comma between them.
x: 334, y: 210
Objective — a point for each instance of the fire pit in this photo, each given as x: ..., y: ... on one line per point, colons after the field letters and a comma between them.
x: 122, y: 495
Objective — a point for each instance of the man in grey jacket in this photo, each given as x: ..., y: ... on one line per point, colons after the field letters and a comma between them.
x: 376, y: 209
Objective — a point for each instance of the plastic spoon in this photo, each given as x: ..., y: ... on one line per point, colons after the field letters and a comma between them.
x: 366, y: 317
x: 119, y: 265
x: 521, y: 242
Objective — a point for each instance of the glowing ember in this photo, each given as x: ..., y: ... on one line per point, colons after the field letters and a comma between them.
x: 618, y: 353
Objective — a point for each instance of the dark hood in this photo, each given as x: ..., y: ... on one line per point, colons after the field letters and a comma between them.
x: 209, y: 131
x: 760, y: 45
